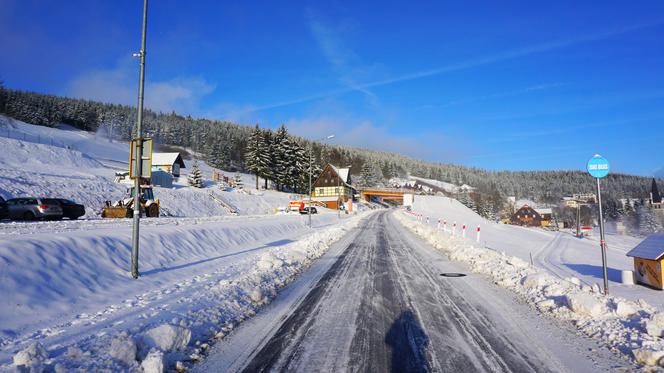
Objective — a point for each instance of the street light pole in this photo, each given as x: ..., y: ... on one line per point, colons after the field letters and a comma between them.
x: 139, y: 148
x: 311, y: 150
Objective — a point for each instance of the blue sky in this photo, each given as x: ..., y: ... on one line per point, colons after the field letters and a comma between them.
x: 498, y: 85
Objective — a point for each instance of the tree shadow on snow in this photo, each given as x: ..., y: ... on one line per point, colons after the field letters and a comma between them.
x: 408, y: 343
x: 595, y: 271
x: 166, y: 269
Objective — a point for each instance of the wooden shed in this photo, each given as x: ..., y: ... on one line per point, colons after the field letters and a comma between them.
x: 526, y: 215
x: 648, y: 257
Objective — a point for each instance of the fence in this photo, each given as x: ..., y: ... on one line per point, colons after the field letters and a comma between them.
x: 38, y: 139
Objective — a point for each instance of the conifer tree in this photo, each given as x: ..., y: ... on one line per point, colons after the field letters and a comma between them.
x: 257, y: 155
x: 195, y: 177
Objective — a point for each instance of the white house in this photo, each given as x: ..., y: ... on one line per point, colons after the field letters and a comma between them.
x: 168, y: 162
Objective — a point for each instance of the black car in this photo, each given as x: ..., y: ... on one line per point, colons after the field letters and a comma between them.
x: 306, y: 210
x: 71, y: 209
x: 4, y: 209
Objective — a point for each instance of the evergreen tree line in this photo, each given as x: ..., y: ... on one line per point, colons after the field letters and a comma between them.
x: 282, y: 158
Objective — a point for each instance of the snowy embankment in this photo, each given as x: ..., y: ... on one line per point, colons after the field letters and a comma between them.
x: 632, y: 328
x: 198, y: 282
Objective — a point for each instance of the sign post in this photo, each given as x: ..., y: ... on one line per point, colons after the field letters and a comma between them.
x: 598, y: 167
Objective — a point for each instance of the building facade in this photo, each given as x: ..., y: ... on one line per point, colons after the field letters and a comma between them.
x: 333, y: 187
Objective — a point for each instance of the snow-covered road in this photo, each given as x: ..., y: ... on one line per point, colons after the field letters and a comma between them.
x: 377, y: 302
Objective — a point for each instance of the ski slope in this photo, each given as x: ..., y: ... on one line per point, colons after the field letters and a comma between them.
x: 560, y: 253
x: 79, y: 165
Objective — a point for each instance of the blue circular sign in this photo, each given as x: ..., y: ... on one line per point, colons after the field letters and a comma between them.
x: 598, y: 166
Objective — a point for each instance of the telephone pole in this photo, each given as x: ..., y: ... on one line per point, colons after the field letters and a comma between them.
x: 139, y: 148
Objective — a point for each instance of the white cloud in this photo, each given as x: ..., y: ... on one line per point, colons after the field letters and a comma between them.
x: 119, y: 85
x: 365, y: 134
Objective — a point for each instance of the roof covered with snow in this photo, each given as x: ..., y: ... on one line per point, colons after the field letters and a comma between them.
x: 344, y: 173
x: 167, y: 159
x: 651, y: 248
x: 544, y: 211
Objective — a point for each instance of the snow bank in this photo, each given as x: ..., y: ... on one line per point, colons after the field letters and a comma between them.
x: 631, y: 328
x: 181, y: 320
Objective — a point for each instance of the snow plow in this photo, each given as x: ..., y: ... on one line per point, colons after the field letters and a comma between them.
x: 125, y: 208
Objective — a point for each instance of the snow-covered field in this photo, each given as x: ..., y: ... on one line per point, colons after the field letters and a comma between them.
x: 561, y: 253
x: 72, y: 292
x: 81, y: 166
x: 563, y: 280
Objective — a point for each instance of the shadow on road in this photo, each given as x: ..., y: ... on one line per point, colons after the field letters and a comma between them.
x: 408, y: 343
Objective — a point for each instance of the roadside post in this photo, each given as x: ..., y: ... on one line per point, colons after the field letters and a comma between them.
x: 138, y: 144
x: 463, y: 231
x: 598, y: 167
x: 438, y: 224
x: 444, y: 225
x: 477, y: 239
x: 454, y: 229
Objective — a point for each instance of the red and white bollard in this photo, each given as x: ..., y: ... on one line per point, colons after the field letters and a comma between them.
x: 438, y: 225
x: 463, y: 231
x: 444, y: 225
x: 478, y: 233
x: 427, y: 220
x: 454, y: 229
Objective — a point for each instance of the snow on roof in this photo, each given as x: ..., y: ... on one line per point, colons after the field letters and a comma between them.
x: 342, y: 172
x: 651, y: 248
x: 544, y: 211
x: 162, y: 159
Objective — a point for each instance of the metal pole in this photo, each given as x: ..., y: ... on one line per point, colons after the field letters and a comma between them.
x: 139, y: 149
x: 602, y: 243
x: 339, y: 196
x: 310, y: 196
x: 578, y: 219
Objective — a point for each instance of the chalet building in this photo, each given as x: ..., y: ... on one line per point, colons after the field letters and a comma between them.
x: 527, y: 216
x: 170, y: 163
x: 333, y: 186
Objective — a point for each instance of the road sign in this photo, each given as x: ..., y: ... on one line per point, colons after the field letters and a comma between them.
x: 146, y: 159
x: 598, y: 166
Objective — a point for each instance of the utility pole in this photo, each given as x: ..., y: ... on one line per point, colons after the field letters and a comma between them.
x: 311, y: 150
x: 139, y: 148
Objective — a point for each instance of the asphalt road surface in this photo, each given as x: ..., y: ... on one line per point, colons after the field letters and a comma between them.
x: 380, y: 304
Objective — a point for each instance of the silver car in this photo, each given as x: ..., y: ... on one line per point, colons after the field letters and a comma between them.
x: 30, y: 208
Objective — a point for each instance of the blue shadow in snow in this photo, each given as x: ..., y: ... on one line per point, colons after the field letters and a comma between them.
x: 271, y: 244
x: 595, y: 271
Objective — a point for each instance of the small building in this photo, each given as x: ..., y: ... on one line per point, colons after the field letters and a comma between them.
x: 648, y: 256
x: 546, y: 215
x: 332, y: 187
x: 527, y: 216
x: 170, y: 163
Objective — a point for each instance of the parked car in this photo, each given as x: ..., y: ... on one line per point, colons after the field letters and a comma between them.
x: 30, y: 208
x: 71, y: 209
x: 4, y: 210
x: 305, y: 210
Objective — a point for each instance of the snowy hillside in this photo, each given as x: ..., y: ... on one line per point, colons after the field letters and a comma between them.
x: 78, y: 165
x: 560, y: 253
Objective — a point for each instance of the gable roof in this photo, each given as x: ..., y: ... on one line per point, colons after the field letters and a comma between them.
x: 343, y: 173
x: 651, y: 248
x: 163, y: 159
x: 544, y: 211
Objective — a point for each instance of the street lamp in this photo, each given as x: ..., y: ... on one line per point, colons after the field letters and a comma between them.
x: 311, y: 150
